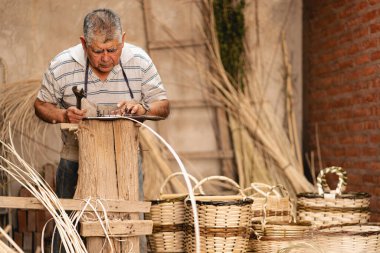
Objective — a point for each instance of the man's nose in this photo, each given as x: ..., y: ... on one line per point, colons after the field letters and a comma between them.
x: 105, y: 56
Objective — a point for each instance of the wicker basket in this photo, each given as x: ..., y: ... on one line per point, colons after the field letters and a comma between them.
x: 168, y: 216
x: 359, y: 238
x: 333, y: 207
x: 271, y: 203
x: 224, y: 221
x: 277, y: 236
x: 302, y: 247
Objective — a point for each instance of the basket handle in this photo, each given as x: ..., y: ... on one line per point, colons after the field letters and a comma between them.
x: 257, y: 187
x: 322, y: 183
x: 284, y: 193
x: 221, y: 178
x: 176, y: 174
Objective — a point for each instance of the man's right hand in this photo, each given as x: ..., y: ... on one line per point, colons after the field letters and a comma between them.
x: 50, y: 113
x: 74, y: 115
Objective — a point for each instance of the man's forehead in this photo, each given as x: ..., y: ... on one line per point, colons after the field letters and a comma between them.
x: 105, y: 44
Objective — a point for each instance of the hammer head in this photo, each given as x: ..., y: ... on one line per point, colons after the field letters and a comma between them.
x: 79, y: 94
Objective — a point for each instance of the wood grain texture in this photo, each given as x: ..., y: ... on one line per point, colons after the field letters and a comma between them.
x: 110, y: 205
x: 117, y: 228
x: 108, y: 168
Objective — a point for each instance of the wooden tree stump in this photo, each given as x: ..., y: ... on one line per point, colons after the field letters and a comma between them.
x: 108, y: 169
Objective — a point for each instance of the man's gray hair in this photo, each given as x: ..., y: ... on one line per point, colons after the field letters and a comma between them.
x: 102, y: 24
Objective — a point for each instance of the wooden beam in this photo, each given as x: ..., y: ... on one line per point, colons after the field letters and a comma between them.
x: 117, y: 228
x: 113, y: 205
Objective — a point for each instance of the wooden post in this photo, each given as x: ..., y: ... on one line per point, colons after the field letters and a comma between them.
x: 108, y: 168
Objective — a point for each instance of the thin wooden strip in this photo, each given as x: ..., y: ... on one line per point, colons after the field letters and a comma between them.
x: 117, y: 228
x: 111, y: 205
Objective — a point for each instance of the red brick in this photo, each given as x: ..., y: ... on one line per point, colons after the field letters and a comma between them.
x: 17, y: 237
x: 362, y: 59
x: 36, y: 241
x: 375, y: 56
x: 375, y: 138
x: 374, y: 28
x: 353, y: 9
x: 22, y: 220
x: 28, y: 242
x: 31, y: 214
x: 373, y: 2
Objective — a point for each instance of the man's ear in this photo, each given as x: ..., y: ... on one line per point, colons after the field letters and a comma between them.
x: 123, y: 38
x: 84, y: 45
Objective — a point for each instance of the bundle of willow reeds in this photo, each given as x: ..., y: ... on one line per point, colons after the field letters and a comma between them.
x: 263, y: 147
x: 17, y: 111
x: 31, y: 180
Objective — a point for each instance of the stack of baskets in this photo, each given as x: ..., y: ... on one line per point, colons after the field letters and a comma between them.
x: 168, y: 216
x: 341, y: 218
x: 273, y: 221
x: 224, y: 221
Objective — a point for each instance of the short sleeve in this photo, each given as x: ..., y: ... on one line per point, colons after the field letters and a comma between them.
x: 152, y: 87
x: 49, y: 91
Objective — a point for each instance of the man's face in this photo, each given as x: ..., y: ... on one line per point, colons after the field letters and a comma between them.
x: 103, y: 56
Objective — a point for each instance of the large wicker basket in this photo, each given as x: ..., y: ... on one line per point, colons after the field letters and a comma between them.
x: 168, y: 216
x: 224, y: 221
x: 333, y: 207
x: 271, y: 203
x: 359, y: 238
x: 276, y: 236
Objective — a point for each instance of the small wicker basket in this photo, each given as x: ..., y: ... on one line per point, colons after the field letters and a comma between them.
x: 359, y: 238
x: 224, y: 221
x: 271, y: 203
x: 168, y: 216
x: 333, y: 207
x: 277, y: 236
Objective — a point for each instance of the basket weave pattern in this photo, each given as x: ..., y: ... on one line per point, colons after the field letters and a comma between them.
x: 360, y: 238
x: 333, y: 207
x: 224, y: 224
x: 269, y: 203
x: 278, y: 236
x: 169, y: 222
x: 168, y: 226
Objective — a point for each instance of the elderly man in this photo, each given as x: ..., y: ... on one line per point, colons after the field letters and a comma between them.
x: 111, y: 72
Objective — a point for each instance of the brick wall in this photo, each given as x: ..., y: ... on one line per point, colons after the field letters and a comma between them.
x: 342, y: 89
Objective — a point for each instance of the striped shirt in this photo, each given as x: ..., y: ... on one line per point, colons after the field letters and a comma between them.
x: 68, y: 68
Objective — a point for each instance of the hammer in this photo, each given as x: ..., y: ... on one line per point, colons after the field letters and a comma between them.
x: 79, y: 94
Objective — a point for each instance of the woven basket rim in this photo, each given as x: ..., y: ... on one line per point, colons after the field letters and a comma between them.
x: 178, y: 198
x: 237, y: 202
x: 284, y: 223
x: 349, y: 233
x: 346, y: 195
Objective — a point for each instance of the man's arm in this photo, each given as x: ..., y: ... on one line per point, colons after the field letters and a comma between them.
x: 160, y: 108
x: 49, y: 112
